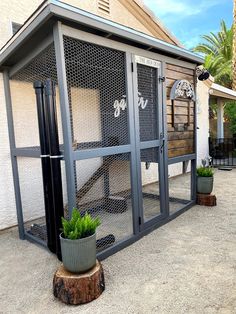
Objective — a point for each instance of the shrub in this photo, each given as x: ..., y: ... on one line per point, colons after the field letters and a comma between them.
x: 205, y: 172
x: 79, y: 227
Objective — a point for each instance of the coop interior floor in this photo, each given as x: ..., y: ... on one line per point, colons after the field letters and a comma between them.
x: 121, y: 224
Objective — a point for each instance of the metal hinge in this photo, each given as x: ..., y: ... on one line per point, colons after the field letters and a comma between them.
x: 162, y: 79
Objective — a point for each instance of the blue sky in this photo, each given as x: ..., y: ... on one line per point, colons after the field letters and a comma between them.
x: 189, y: 19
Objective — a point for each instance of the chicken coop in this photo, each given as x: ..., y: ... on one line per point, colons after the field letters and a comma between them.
x: 102, y: 118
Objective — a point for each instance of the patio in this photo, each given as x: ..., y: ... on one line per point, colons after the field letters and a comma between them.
x: 186, y: 266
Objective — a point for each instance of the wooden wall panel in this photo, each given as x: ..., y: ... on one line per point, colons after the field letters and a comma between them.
x: 179, y: 142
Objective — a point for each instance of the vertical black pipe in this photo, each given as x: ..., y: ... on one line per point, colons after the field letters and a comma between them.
x: 55, y: 157
x: 46, y: 168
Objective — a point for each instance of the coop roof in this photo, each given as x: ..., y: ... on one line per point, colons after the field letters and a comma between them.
x: 40, y: 24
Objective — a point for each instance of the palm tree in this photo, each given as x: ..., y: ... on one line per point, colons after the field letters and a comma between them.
x: 234, y: 48
x: 217, y: 49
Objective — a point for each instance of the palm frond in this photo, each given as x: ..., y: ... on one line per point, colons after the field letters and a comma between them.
x: 218, y: 51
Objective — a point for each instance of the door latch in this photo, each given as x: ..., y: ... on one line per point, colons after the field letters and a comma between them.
x: 162, y: 145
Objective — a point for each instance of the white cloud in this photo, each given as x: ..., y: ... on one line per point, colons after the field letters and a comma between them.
x: 176, y: 15
x: 163, y: 8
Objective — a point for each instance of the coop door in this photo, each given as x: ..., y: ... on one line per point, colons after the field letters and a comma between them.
x: 149, y: 139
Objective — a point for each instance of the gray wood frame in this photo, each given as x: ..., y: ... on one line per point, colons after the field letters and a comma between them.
x: 140, y: 145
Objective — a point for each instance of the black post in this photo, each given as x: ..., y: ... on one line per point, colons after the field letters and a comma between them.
x: 46, y: 171
x: 55, y: 157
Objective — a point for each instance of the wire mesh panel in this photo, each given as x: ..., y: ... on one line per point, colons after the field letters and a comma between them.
x: 148, y: 130
x: 31, y: 187
x: 96, y: 79
x: 150, y: 183
x: 179, y: 185
x: 42, y: 67
x: 97, y: 94
x: 147, y: 102
x: 104, y: 190
x: 25, y: 120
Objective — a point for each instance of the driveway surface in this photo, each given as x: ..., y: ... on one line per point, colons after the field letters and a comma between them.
x: 186, y: 266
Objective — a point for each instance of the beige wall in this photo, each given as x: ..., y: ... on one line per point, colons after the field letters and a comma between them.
x: 7, y: 201
x: 14, y: 11
x: 10, y: 11
x: 19, y: 10
x: 86, y: 113
x: 118, y: 13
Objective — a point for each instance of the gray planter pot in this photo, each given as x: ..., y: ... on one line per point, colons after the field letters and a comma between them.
x: 205, y: 185
x: 78, y: 256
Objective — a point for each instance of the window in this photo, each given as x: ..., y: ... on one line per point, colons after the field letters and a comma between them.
x: 104, y: 6
x: 15, y: 27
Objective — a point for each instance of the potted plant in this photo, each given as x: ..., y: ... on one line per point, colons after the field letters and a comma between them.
x: 78, y: 242
x: 205, y: 180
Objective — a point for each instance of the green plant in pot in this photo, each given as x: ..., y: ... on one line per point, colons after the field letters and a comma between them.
x: 205, y: 178
x: 78, y: 242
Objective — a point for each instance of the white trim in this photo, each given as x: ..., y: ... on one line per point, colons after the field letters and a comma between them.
x: 221, y: 91
x: 148, y: 62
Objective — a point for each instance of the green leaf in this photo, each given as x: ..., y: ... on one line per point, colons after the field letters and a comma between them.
x: 79, y: 227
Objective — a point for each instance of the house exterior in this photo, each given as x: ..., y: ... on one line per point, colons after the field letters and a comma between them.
x: 129, y: 13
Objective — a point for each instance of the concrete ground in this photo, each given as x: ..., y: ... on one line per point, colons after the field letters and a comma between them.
x: 186, y: 266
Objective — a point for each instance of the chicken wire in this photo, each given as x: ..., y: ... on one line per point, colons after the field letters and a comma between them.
x: 32, y: 197
x: 96, y: 84
x: 150, y: 183
x: 104, y: 190
x: 25, y: 121
x: 147, y: 102
x: 24, y: 108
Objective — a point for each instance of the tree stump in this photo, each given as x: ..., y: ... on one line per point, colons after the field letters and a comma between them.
x: 206, y: 199
x: 73, y: 288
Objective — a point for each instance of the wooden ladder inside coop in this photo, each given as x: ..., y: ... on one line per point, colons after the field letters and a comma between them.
x: 93, y: 179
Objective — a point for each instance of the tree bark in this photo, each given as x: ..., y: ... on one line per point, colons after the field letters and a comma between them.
x: 206, y: 199
x: 76, y: 289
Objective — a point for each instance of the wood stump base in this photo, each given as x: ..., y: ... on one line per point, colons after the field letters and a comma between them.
x: 75, y: 289
x: 206, y: 199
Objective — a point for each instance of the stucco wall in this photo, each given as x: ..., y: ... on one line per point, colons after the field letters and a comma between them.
x: 118, y: 13
x: 7, y: 201
x: 14, y: 11
x: 10, y: 11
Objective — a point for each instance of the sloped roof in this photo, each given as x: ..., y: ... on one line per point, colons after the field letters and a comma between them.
x: 40, y: 24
